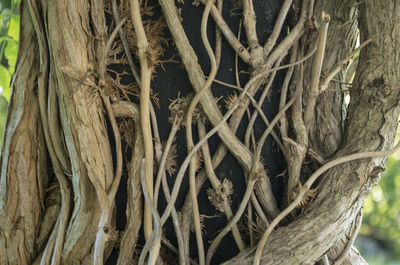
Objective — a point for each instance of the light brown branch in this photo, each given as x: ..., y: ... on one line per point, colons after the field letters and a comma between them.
x: 153, y: 244
x: 55, y: 246
x: 101, y: 235
x: 230, y: 37
x: 125, y: 43
x: 107, y: 47
x: 284, y: 91
x: 242, y: 207
x: 216, y: 185
x: 218, y: 38
x: 339, y: 66
x: 161, y: 176
x: 273, y: 123
x: 306, y: 187
x: 297, y: 153
x: 189, y: 139
x: 249, y: 22
x: 146, y: 69
x: 209, y: 106
x: 277, y: 27
x: 313, y: 91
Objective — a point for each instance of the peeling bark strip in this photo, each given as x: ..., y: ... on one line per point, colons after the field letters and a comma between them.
x: 57, y: 178
x: 24, y: 176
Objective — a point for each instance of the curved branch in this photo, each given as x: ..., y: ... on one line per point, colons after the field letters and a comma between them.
x: 146, y: 69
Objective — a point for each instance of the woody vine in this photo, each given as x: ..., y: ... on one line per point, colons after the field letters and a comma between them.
x: 64, y: 94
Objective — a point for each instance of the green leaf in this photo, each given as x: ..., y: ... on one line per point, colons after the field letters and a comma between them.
x: 3, y: 115
x: 5, y: 16
x: 3, y: 44
x: 10, y: 53
x: 13, y: 27
x: 5, y: 78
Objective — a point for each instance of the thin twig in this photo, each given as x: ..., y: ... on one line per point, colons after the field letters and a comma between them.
x: 125, y: 43
x: 258, y: 110
x: 249, y: 222
x: 161, y: 166
x: 258, y: 209
x: 236, y: 56
x: 311, y: 10
x: 284, y: 90
x: 210, y: 107
x: 101, y: 235
x: 218, y: 38
x: 156, y: 243
x: 277, y: 27
x: 307, y: 186
x: 297, y: 153
x: 216, y: 185
x: 273, y: 123
x: 146, y: 69
x: 230, y: 37
x: 107, y: 47
x: 258, y: 106
x: 339, y: 66
x: 176, y: 222
x: 351, y: 240
x: 118, y: 149
x: 242, y: 207
x: 290, y: 39
x: 185, y: 163
x: 171, y: 247
x: 107, y: 202
x: 161, y: 175
x: 249, y: 22
x: 313, y: 91
x: 189, y: 139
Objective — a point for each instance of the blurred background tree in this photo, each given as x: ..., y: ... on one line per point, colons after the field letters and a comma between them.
x: 379, y: 238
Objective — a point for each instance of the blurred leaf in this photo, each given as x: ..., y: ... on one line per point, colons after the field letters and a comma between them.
x: 10, y: 53
x: 3, y: 115
x: 382, y: 208
x: 5, y: 3
x: 3, y: 16
x: 15, y: 2
x: 5, y: 78
x: 13, y: 27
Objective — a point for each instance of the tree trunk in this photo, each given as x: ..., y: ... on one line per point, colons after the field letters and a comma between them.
x: 80, y: 113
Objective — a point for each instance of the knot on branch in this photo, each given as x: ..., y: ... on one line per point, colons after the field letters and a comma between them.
x: 111, y: 232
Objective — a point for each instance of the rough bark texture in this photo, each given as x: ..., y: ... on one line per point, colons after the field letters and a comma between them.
x: 57, y: 155
x: 371, y: 125
x: 24, y: 176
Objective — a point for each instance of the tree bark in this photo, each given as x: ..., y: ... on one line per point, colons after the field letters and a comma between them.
x: 59, y: 167
x: 371, y: 125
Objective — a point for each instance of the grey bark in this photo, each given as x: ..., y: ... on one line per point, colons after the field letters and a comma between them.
x: 55, y: 66
x: 371, y: 125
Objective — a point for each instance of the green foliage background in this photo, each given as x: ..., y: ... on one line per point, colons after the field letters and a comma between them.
x: 381, y: 209
x: 382, y: 215
x: 9, y: 34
